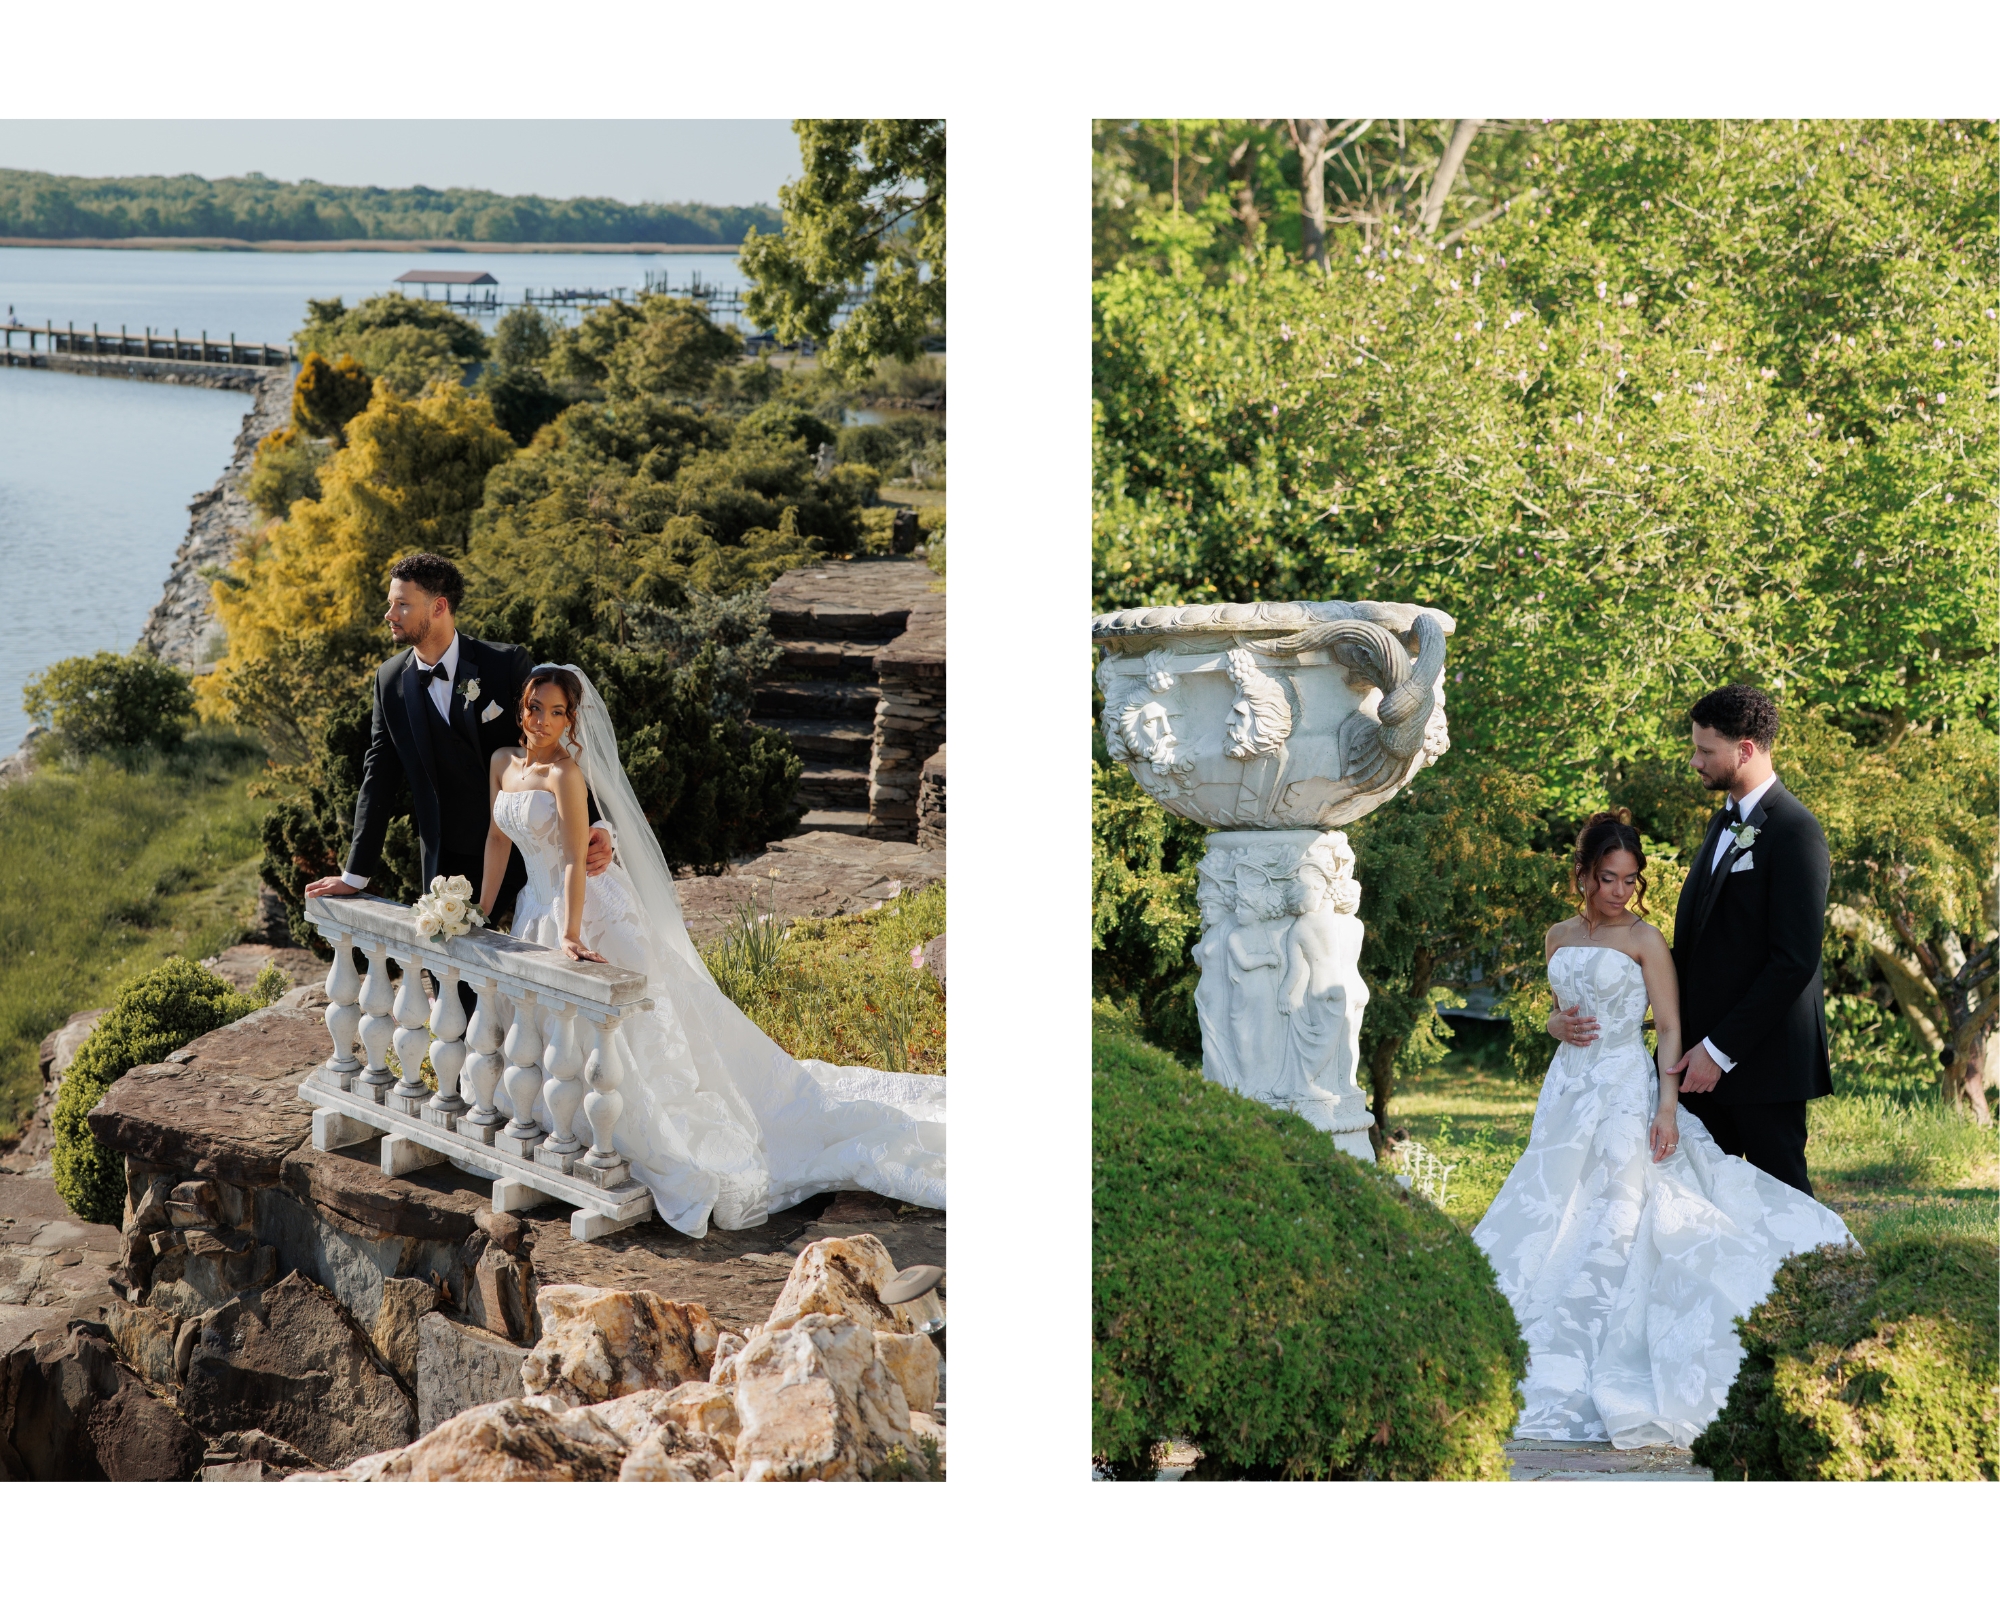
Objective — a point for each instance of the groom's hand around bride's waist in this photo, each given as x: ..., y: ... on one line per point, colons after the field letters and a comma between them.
x: 595, y: 859
x: 320, y: 886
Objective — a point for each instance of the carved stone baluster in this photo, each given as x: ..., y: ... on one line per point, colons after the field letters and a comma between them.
x: 447, y: 1049
x: 378, y: 994
x: 413, y: 1040
x: 482, y: 1070
x: 563, y: 1062
x: 603, y: 1165
x: 523, y: 1047
x: 343, y: 1016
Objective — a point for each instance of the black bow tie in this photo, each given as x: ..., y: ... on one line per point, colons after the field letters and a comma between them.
x: 431, y: 675
x: 1730, y: 815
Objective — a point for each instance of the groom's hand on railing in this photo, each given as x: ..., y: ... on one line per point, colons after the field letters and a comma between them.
x: 598, y: 856
x: 320, y: 886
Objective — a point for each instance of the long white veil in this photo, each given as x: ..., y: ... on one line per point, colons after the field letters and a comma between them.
x: 820, y: 1126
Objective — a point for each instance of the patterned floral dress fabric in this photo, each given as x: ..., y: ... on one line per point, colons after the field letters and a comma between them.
x: 1627, y: 1275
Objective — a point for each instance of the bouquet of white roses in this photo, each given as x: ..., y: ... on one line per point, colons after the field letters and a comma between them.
x: 447, y: 911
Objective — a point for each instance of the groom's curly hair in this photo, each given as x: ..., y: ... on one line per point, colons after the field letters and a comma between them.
x: 434, y: 575
x: 1738, y: 711
x: 1604, y: 832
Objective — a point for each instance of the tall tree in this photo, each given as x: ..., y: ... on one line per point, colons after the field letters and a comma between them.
x: 868, y: 213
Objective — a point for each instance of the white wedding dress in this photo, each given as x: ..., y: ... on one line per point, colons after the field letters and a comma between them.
x: 1625, y: 1274
x: 718, y: 1122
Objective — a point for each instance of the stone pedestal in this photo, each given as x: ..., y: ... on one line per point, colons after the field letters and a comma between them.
x: 1274, y: 724
x: 1281, y: 996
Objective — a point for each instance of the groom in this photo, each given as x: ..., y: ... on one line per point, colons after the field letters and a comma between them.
x: 443, y: 706
x: 1747, y: 946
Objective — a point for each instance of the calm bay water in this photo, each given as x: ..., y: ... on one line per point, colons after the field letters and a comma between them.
x: 95, y: 478
x: 260, y: 296
x: 96, y: 473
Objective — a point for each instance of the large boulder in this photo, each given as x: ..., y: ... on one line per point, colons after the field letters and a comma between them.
x: 844, y: 1278
x: 292, y: 1362
x: 459, y: 1367
x: 69, y: 1410
x: 598, y: 1344
x: 815, y: 1402
x: 395, y: 1335
x: 508, y: 1441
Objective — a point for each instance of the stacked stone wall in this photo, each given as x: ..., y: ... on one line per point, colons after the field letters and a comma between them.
x: 909, y: 721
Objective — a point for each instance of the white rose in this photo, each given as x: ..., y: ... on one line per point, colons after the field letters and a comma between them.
x: 428, y: 923
x: 458, y: 888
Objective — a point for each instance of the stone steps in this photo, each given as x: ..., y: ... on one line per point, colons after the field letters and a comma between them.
x: 853, y: 823
x: 850, y: 659
x: 846, y: 742
x: 852, y: 703
x: 828, y: 786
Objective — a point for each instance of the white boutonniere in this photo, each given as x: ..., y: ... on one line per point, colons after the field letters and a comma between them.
x: 470, y: 689
x: 1744, y: 835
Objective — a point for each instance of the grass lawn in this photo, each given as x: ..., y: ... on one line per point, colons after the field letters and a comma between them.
x: 841, y: 989
x: 1889, y: 1163
x: 104, y: 873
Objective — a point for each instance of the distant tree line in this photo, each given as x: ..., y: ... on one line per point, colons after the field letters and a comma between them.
x: 43, y: 205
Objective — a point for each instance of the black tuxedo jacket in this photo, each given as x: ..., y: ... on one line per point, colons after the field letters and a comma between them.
x: 407, y: 734
x: 1747, y: 952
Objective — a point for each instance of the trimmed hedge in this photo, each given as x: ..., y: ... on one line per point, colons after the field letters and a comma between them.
x: 1867, y: 1367
x: 1290, y: 1311
x: 151, y: 1017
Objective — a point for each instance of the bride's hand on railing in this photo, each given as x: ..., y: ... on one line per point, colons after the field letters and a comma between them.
x: 577, y: 950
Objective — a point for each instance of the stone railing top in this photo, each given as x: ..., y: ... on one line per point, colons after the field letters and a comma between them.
x: 590, y: 984
x: 1255, y: 618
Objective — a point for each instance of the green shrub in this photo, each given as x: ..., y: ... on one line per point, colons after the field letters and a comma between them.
x: 150, y: 1017
x: 1873, y: 1049
x: 1285, y: 1308
x: 1875, y: 1367
x: 783, y: 420
x: 1143, y: 913
x: 407, y: 343
x: 286, y: 468
x: 111, y: 703
x: 888, y: 446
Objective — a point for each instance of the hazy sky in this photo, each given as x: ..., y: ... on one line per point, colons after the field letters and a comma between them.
x: 724, y: 163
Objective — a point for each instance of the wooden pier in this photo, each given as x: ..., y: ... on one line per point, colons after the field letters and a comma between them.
x: 69, y: 347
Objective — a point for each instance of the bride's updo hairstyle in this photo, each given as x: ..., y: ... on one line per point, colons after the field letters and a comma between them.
x: 1603, y: 833
x: 564, y: 680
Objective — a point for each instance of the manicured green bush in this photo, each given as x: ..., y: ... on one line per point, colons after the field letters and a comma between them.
x: 1875, y: 1367
x: 151, y: 1016
x: 1285, y: 1308
x: 111, y: 703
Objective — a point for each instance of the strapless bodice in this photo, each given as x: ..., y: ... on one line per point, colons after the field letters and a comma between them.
x: 528, y: 817
x: 1608, y: 984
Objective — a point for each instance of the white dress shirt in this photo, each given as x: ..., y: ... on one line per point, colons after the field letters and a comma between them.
x: 1723, y: 841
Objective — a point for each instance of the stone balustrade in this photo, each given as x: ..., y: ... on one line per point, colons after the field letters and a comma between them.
x: 540, y: 1033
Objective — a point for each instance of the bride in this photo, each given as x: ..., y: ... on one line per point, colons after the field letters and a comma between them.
x: 718, y: 1122
x: 1626, y: 1241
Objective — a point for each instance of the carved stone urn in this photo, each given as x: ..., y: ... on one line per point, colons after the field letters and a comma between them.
x: 1273, y: 724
